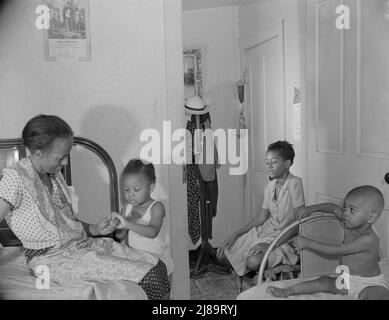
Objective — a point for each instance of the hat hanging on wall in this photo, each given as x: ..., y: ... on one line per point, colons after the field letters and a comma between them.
x: 195, y: 105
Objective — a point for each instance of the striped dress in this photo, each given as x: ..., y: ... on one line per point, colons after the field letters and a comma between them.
x: 289, y: 197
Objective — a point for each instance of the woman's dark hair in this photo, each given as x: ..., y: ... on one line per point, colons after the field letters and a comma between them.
x: 41, y: 131
x: 284, y: 149
x: 140, y: 166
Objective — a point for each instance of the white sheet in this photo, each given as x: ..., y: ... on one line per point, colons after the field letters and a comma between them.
x: 259, y: 292
x: 17, y: 283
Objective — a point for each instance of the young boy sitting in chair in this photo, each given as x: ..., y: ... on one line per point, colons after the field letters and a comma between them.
x: 359, y: 251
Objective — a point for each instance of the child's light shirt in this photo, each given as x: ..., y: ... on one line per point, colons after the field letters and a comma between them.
x: 159, y: 246
x: 282, y: 205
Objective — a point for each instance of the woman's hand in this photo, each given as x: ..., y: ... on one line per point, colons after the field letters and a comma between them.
x: 122, y: 222
x: 106, y: 226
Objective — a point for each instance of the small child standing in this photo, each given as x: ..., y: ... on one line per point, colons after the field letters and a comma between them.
x: 142, y: 216
x: 358, y: 252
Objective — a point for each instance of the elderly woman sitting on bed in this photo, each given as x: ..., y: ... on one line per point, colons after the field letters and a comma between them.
x: 37, y: 205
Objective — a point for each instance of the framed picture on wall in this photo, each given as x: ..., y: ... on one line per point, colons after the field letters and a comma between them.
x: 192, y: 73
x: 68, y: 37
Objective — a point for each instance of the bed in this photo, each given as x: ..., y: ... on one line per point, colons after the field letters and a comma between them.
x: 16, y: 281
x: 321, y: 227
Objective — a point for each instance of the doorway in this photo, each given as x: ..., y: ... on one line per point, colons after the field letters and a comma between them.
x: 264, y: 61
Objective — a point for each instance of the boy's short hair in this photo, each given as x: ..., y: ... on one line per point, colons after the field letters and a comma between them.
x: 136, y: 165
x: 284, y: 149
x: 370, y: 192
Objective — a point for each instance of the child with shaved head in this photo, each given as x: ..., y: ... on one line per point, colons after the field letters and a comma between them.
x: 359, y: 251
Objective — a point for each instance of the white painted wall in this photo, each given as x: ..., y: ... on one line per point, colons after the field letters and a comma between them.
x: 215, y: 32
x: 254, y: 18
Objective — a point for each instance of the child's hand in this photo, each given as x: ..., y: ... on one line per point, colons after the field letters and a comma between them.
x: 113, y: 222
x: 121, y: 222
x: 106, y: 225
x: 302, y: 212
x: 258, y: 248
x: 338, y: 212
x: 226, y: 244
x: 301, y: 243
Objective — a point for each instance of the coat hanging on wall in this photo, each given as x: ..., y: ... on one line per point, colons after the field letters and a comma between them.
x: 202, y: 184
x: 208, y: 184
x: 193, y: 192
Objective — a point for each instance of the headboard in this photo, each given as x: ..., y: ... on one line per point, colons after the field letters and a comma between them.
x: 12, y: 150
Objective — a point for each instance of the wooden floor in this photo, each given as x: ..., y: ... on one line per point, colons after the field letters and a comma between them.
x: 212, y: 286
x: 216, y: 286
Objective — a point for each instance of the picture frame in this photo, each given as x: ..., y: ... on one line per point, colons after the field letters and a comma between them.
x: 68, y: 37
x: 193, y: 73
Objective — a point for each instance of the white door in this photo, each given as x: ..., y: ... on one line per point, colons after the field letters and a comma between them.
x: 265, y: 108
x: 347, y: 102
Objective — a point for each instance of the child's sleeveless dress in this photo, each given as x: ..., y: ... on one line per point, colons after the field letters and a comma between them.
x: 158, y: 246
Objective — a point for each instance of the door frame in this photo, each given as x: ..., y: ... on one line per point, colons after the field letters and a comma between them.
x: 274, y: 30
x: 174, y: 98
x: 302, y: 29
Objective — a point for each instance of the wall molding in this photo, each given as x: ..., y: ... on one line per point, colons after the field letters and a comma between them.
x: 359, y: 91
x: 319, y: 5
